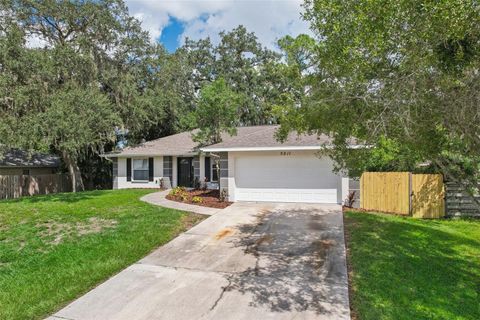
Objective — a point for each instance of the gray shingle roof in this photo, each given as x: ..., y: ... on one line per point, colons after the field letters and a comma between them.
x: 174, y: 145
x: 246, y: 137
x: 264, y: 137
x: 19, y: 158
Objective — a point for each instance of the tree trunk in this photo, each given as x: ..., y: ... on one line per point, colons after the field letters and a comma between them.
x: 74, y: 171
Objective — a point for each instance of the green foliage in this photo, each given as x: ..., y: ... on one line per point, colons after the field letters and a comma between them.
x: 249, y: 69
x: 401, y: 267
x: 386, y: 155
x: 216, y: 112
x: 88, y: 78
x: 401, y: 77
x: 55, y: 248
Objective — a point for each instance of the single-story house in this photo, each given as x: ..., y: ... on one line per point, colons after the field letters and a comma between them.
x: 253, y: 166
x: 19, y: 162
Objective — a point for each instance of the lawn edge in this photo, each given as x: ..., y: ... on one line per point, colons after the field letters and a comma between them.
x: 351, y: 293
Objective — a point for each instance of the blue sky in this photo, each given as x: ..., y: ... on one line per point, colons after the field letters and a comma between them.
x: 170, y: 36
x: 171, y: 21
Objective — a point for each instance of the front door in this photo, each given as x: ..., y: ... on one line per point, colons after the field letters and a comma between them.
x: 185, y: 172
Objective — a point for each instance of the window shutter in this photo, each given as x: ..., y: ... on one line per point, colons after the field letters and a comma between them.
x: 129, y: 169
x: 207, y: 168
x: 150, y: 169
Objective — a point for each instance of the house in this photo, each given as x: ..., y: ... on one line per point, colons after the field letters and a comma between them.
x: 18, y: 162
x: 253, y: 166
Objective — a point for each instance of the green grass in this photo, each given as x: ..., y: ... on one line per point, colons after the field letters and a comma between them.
x: 54, y: 248
x: 404, y: 268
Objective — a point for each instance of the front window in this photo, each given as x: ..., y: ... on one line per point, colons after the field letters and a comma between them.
x: 140, y: 169
x: 214, y: 172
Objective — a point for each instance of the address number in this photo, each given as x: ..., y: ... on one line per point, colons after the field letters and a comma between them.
x: 285, y: 153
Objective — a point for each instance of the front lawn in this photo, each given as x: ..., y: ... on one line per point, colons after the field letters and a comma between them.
x: 404, y: 268
x: 54, y: 248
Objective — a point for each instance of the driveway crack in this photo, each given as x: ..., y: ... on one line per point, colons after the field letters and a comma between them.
x: 222, y: 293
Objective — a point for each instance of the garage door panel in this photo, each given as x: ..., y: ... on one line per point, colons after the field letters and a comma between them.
x: 302, y: 177
x: 287, y: 195
x: 299, y: 172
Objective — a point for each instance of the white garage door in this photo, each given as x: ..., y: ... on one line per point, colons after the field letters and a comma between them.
x: 295, y: 177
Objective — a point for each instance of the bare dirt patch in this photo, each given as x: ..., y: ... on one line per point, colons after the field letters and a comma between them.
x: 55, y: 232
x: 191, y: 220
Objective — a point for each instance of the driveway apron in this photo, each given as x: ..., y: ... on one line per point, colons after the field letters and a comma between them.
x: 249, y: 261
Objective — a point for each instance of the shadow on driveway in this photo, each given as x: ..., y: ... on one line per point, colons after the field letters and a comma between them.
x: 300, y: 261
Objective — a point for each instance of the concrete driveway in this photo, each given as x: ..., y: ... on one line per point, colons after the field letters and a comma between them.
x: 249, y: 261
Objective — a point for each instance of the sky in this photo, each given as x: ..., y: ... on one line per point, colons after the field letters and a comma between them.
x: 171, y: 21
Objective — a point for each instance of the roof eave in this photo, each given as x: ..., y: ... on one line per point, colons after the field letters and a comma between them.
x: 278, y: 148
x: 133, y: 155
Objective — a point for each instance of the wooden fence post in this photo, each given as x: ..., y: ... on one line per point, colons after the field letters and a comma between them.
x: 410, y: 194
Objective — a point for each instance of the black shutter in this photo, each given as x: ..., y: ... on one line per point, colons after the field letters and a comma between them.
x: 129, y: 169
x: 150, y: 169
x: 207, y: 168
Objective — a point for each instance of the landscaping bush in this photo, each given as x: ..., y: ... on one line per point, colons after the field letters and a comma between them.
x: 197, y: 199
x: 184, y: 196
x: 179, y: 193
x: 223, y: 195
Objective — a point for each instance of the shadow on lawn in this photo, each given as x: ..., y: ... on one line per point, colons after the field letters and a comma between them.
x: 405, y: 268
x: 298, y: 263
x: 67, y: 197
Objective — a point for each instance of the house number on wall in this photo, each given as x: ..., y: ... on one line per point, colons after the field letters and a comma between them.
x: 285, y: 153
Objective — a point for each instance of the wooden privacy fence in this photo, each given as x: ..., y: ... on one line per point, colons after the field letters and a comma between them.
x: 419, y: 195
x: 16, y: 186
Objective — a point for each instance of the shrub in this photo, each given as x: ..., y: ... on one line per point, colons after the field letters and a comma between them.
x: 223, y: 195
x: 177, y: 191
x: 197, y: 199
x: 350, y: 200
x: 183, y: 196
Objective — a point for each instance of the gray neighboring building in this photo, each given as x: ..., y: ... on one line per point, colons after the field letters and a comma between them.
x: 18, y: 162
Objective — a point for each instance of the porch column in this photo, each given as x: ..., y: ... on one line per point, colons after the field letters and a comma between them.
x: 231, y: 177
x: 202, y: 169
x: 174, y: 172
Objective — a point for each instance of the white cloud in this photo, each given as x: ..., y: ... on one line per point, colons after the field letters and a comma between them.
x: 269, y: 19
x: 36, y: 41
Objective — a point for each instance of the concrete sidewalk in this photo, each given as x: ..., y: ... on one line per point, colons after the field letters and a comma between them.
x: 251, y: 261
x: 158, y: 198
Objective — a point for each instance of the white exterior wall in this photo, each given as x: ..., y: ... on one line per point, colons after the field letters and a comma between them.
x: 122, y: 174
x: 284, y: 176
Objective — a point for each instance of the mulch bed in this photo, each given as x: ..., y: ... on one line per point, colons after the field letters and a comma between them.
x: 210, y: 198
